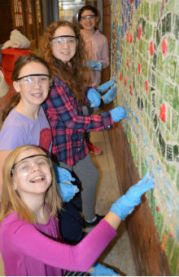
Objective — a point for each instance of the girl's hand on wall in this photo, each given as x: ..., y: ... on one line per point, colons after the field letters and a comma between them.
x: 118, y: 113
x: 132, y: 198
x: 94, y: 97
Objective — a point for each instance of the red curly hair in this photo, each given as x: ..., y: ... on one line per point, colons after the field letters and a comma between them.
x: 77, y: 75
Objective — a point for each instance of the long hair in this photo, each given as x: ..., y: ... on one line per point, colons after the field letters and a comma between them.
x: 19, y: 64
x: 11, y: 200
x: 76, y: 75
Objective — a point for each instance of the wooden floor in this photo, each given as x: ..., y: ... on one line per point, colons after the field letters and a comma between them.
x: 119, y: 252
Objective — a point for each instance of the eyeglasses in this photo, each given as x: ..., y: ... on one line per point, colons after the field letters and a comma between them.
x: 87, y: 17
x: 33, y: 79
x: 61, y: 40
x: 26, y: 164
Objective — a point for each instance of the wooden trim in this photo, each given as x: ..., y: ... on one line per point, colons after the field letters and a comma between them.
x: 149, y: 258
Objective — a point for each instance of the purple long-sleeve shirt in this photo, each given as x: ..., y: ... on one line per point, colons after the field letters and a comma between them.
x: 27, y: 250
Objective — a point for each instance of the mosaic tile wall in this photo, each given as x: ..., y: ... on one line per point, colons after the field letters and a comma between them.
x: 145, y: 59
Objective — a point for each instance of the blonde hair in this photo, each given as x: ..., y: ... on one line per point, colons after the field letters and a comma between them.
x: 11, y: 200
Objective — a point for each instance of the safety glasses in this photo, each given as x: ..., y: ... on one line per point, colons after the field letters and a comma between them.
x: 61, y: 40
x: 26, y: 164
x: 32, y: 79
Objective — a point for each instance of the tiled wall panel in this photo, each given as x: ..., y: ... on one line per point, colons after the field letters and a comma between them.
x: 145, y: 61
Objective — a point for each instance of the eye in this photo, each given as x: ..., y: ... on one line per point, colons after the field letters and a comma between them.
x: 42, y: 162
x: 27, y: 80
x: 71, y: 41
x: 59, y: 40
x: 44, y: 79
x: 24, y: 166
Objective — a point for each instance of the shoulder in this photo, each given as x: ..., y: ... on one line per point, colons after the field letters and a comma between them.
x: 12, y: 223
x: 98, y: 34
x: 13, y: 131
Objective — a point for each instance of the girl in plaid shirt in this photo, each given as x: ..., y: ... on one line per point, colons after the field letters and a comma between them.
x: 63, y: 50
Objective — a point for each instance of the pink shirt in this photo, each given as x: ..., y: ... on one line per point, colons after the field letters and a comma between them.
x: 97, y: 49
x: 27, y: 251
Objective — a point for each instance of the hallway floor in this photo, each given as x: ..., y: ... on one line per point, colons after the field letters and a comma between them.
x: 119, y: 253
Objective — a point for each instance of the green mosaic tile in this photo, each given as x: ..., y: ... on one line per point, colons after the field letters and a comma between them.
x: 144, y: 68
x: 176, y: 26
x: 175, y: 261
x: 149, y: 31
x: 163, y: 26
x: 175, y: 126
x: 170, y: 5
x: 155, y: 11
x: 159, y: 82
x: 159, y: 61
x: 175, y: 102
x: 159, y: 222
x: 143, y: 169
x: 172, y: 172
x: 168, y: 92
x: 177, y: 72
x: 158, y: 36
x: 172, y: 44
x: 162, y: 73
x: 168, y: 23
x: 151, y: 200
x: 169, y: 246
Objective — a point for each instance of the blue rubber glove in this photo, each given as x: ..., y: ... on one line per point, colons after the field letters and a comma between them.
x: 105, y: 86
x: 67, y: 191
x: 118, y: 113
x: 94, y: 98
x: 63, y: 175
x: 95, y: 65
x: 102, y: 270
x: 66, y: 188
x: 110, y: 94
x: 132, y: 198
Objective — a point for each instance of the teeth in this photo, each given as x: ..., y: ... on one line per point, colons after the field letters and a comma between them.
x: 37, y: 179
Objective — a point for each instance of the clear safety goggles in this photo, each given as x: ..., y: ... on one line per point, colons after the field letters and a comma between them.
x: 61, y: 40
x: 26, y: 164
x: 33, y: 79
x: 88, y: 17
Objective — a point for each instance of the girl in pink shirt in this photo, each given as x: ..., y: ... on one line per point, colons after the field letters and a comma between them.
x: 30, y: 242
x: 97, y: 51
x: 96, y: 44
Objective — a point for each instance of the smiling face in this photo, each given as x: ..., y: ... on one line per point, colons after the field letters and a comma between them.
x: 64, y: 44
x: 31, y: 173
x: 35, y: 86
x: 88, y: 20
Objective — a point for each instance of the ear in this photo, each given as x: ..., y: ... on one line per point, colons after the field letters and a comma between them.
x: 16, y: 86
x: 14, y: 183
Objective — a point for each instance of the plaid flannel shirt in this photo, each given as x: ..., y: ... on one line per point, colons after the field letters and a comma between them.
x: 69, y: 124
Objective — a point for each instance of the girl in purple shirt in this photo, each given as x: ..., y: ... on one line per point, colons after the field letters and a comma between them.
x: 30, y: 242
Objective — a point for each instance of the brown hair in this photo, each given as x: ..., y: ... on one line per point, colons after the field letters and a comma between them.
x: 88, y: 8
x: 11, y: 200
x: 19, y: 64
x: 73, y: 75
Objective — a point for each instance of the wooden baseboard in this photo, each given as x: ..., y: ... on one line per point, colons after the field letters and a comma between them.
x: 148, y: 255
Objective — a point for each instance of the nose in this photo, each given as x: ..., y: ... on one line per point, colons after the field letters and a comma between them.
x: 34, y: 166
x: 37, y: 82
x: 65, y: 44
